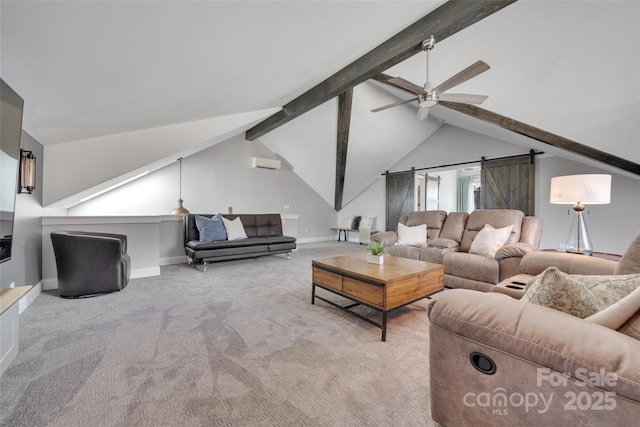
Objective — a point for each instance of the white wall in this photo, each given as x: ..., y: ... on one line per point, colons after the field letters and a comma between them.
x: 214, y: 180
x: 611, y: 227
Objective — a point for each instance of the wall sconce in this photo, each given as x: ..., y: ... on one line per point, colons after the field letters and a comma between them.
x: 579, y: 190
x: 27, y: 180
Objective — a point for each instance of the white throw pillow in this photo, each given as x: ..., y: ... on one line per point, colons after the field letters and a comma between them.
x: 348, y: 222
x: 366, y: 222
x: 416, y: 235
x: 489, y: 240
x: 235, y: 229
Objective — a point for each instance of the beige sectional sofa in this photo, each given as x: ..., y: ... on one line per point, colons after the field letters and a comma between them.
x: 450, y: 237
x: 497, y: 360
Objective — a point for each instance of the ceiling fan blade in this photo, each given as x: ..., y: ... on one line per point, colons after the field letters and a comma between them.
x: 423, y: 112
x: 464, y: 75
x: 405, y: 84
x: 463, y: 97
x: 395, y: 104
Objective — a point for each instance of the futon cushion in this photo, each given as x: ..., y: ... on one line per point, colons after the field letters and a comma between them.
x: 211, y: 229
x: 235, y: 229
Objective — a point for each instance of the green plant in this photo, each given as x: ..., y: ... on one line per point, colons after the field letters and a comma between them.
x: 376, y: 248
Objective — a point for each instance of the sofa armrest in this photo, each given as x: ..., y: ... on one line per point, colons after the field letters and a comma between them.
x: 542, y: 336
x: 387, y: 237
x: 514, y: 250
x: 536, y: 262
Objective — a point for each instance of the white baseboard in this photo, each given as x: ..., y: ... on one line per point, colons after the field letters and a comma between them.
x: 49, y: 284
x: 30, y: 297
x: 173, y: 260
x: 315, y: 239
x: 145, y: 272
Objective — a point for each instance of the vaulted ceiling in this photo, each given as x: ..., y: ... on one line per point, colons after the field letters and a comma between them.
x: 170, y: 78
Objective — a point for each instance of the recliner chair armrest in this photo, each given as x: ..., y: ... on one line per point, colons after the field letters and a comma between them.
x: 540, y: 335
x: 514, y: 250
x: 387, y: 237
x: 536, y: 262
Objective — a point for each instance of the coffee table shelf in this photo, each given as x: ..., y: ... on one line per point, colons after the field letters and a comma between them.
x: 382, y: 287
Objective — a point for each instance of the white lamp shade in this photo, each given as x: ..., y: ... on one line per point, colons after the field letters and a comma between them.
x: 589, y: 189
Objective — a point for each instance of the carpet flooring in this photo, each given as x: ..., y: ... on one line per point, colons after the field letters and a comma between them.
x: 237, y: 345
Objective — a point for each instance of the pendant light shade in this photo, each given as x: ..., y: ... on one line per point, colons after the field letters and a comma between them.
x: 180, y: 210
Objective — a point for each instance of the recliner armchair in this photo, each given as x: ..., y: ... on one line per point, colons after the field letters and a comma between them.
x: 496, y: 360
x: 90, y: 263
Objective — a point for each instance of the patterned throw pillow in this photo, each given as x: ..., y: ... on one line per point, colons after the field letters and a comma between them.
x: 579, y: 295
x: 211, y: 229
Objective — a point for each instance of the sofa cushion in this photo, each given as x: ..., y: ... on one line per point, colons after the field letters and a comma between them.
x: 235, y: 229
x: 454, y: 226
x: 443, y: 243
x: 489, y: 240
x: 471, y: 266
x: 630, y: 262
x: 416, y: 235
x: 211, y: 229
x: 579, y: 295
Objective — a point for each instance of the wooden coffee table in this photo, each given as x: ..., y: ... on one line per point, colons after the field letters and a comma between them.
x: 385, y: 287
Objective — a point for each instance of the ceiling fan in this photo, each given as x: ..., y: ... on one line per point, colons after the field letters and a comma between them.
x: 428, y: 96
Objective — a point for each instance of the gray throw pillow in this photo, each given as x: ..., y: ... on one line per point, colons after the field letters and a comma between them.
x: 211, y: 229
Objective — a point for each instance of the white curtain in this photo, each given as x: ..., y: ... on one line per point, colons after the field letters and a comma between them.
x: 464, y: 191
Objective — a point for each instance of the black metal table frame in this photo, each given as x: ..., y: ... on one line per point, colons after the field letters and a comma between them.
x: 347, y: 308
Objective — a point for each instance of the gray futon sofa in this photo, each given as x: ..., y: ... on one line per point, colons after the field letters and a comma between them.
x: 264, y: 237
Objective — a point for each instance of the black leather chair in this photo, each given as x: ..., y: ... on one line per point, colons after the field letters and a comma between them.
x: 90, y: 263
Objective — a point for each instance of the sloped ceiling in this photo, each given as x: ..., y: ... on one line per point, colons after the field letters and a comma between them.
x: 101, y: 71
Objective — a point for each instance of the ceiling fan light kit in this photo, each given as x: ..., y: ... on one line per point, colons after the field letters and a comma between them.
x: 427, y: 96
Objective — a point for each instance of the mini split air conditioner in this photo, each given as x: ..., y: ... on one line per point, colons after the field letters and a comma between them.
x: 261, y: 162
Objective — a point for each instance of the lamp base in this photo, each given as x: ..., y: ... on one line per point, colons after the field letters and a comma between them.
x: 578, y: 240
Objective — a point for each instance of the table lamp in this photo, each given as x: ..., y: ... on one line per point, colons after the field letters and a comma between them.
x: 580, y: 190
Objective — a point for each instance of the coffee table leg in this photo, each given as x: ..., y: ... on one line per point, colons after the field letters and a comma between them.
x: 384, y: 326
x: 313, y: 293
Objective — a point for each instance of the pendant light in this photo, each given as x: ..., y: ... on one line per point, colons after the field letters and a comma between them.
x: 180, y: 210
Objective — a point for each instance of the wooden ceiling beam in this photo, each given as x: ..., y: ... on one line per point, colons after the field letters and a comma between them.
x: 543, y: 136
x: 345, y: 101
x: 446, y: 20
